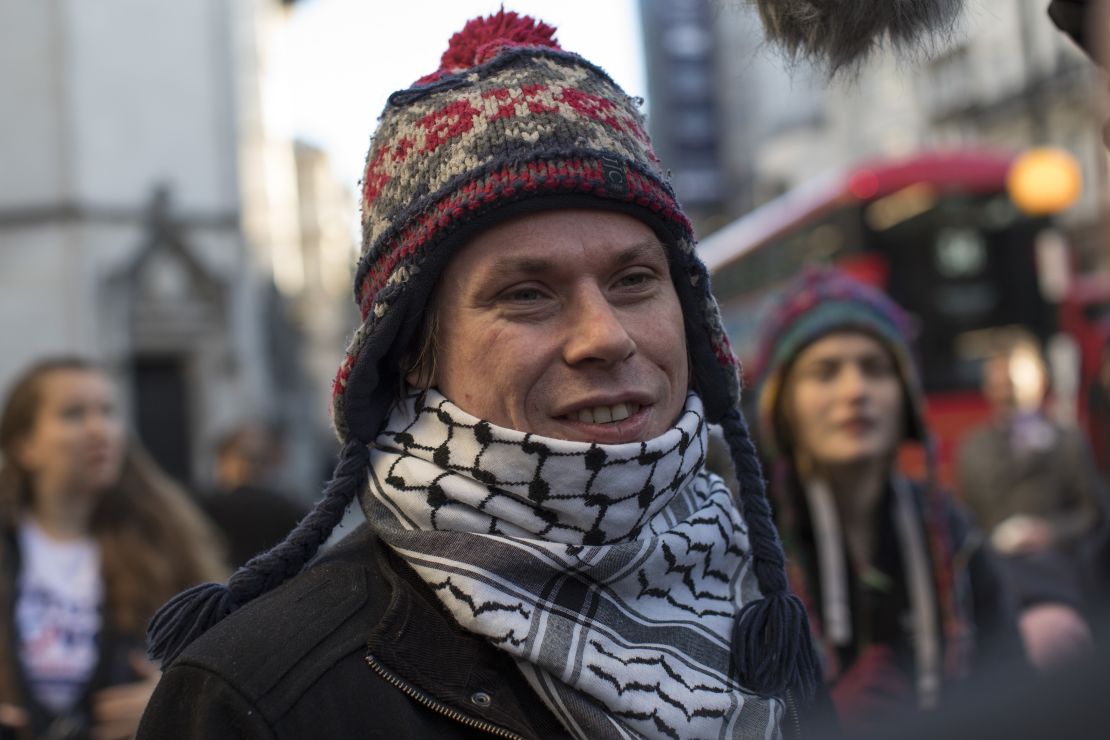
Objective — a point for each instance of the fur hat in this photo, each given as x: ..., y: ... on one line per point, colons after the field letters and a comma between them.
x: 511, y: 124
x: 840, y: 34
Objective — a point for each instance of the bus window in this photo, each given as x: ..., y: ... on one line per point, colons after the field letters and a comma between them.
x: 960, y: 269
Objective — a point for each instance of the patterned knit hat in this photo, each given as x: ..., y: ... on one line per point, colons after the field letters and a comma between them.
x: 819, y: 302
x: 511, y: 124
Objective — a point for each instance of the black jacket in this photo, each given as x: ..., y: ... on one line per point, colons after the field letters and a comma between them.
x: 356, y: 646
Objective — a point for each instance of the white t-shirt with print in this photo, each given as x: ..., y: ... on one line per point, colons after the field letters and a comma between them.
x: 57, y: 614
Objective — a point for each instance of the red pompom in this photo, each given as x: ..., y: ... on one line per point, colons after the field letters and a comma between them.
x: 481, y: 39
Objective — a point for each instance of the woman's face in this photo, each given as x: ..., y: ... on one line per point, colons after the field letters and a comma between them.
x: 843, y: 401
x: 75, y: 444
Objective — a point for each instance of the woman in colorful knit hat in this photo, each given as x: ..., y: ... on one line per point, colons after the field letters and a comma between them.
x: 888, y: 568
x: 524, y: 413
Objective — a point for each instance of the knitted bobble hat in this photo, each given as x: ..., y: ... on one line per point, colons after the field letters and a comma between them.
x: 819, y: 302
x: 511, y: 124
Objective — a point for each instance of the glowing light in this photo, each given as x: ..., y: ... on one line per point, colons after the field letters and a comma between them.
x: 1027, y: 373
x: 1044, y: 181
x: 864, y: 184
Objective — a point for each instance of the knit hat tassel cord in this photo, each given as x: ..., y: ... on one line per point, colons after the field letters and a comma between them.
x: 770, y: 636
x: 191, y: 613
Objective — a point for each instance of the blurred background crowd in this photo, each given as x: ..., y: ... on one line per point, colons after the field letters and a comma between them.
x: 178, y: 203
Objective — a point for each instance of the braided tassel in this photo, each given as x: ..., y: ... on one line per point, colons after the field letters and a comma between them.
x: 771, y: 641
x: 193, y: 612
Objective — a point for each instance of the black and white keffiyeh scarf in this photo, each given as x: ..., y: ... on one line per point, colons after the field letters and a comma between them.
x: 611, y: 573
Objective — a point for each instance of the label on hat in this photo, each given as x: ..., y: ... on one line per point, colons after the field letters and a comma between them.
x: 612, y: 169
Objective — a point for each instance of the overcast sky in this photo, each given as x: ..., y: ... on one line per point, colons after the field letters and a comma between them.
x: 342, y: 58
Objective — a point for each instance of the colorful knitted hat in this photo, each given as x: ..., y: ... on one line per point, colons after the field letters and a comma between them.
x: 819, y: 302
x: 511, y: 124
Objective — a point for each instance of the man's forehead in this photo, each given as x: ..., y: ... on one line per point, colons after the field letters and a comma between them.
x: 533, y: 258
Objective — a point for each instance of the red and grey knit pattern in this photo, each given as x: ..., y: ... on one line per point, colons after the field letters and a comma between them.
x: 530, y: 122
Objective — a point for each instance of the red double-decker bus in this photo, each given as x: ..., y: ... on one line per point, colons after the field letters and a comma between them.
x: 941, y: 235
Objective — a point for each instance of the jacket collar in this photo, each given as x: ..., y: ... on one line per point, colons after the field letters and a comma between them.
x: 418, y: 644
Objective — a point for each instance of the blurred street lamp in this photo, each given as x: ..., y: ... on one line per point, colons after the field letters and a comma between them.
x: 1044, y: 181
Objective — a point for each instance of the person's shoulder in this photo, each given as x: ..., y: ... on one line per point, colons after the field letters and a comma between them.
x: 978, y: 436
x: 1071, y: 436
x: 959, y: 524
x: 309, y: 624
x: 251, y: 501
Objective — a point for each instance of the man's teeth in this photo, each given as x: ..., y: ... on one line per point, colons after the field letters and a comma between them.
x: 605, y: 414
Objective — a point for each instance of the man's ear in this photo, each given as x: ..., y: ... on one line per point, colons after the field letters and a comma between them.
x: 419, y: 366
x: 423, y: 375
x: 421, y: 371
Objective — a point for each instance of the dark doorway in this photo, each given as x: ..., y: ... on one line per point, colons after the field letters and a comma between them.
x: 162, y: 412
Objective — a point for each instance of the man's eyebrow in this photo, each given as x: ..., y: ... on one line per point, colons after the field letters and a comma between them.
x: 642, y: 250
x: 513, y: 266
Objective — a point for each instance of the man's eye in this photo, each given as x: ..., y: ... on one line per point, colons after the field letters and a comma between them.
x: 523, y: 295
x: 633, y: 280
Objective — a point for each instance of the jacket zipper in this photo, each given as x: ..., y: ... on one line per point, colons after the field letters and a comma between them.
x: 792, y: 714
x: 437, y: 706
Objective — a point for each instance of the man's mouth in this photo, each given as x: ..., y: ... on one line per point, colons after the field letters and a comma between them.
x: 604, y: 414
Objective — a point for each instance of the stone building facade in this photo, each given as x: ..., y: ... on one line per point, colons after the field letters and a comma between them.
x: 150, y: 215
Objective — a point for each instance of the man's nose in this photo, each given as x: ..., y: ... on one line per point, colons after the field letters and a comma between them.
x: 595, y: 331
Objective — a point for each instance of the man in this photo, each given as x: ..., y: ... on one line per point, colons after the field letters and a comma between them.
x: 250, y: 515
x: 1032, y: 486
x: 545, y: 553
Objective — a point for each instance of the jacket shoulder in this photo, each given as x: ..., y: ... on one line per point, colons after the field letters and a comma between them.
x: 309, y: 624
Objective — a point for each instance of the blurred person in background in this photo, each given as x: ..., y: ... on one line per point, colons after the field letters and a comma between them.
x: 1099, y: 412
x: 93, y: 538
x: 1032, y: 485
x: 250, y: 514
x: 902, y: 599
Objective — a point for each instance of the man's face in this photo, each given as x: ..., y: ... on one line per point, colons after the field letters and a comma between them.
x: 564, y: 324
x: 998, y: 385
x: 1015, y: 381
